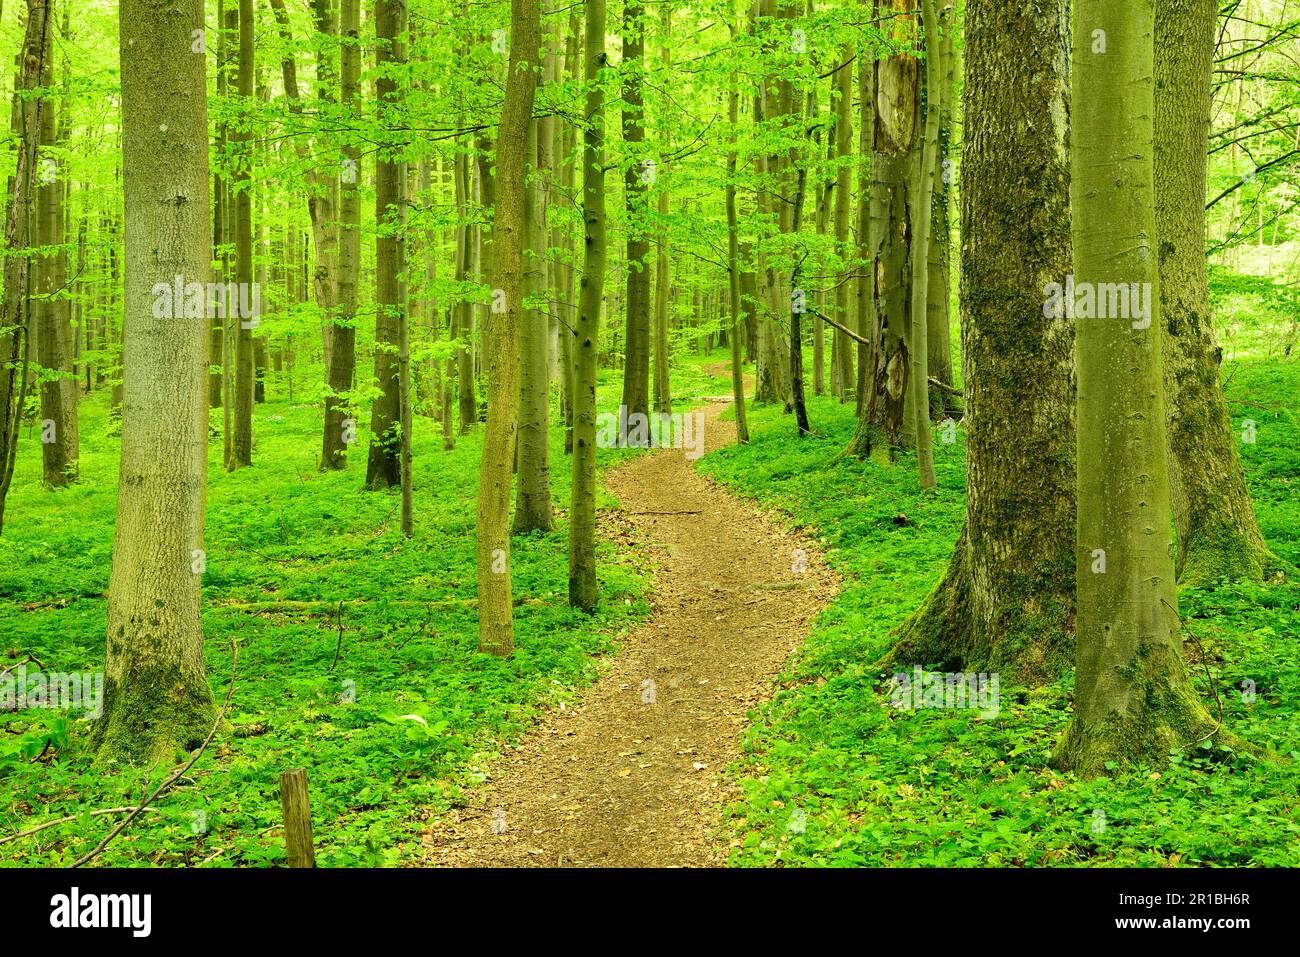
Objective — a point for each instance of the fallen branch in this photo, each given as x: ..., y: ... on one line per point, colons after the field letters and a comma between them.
x: 64, y: 820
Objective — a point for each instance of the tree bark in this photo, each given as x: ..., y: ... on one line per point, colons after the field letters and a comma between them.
x: 18, y: 327
x: 241, y: 447
x: 533, y: 488
x: 54, y: 341
x: 384, y: 463
x: 1133, y: 701
x: 636, y: 364
x: 1006, y: 600
x: 505, y: 273
x: 1217, y: 534
x: 156, y: 693
x: 582, y: 513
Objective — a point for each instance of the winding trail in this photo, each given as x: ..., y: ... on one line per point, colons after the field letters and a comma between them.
x: 634, y: 775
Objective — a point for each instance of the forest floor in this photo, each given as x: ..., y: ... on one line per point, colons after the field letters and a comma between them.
x: 635, y: 775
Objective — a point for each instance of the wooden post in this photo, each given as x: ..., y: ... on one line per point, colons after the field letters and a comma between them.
x: 297, y: 818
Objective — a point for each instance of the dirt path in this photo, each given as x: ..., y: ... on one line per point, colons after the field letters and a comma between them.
x: 632, y: 777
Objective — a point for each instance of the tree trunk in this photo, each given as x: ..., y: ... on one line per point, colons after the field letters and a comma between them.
x: 582, y: 513
x: 533, y: 492
x: 384, y: 463
x: 156, y: 693
x: 1006, y: 601
x: 17, y: 326
x: 241, y: 448
x: 922, y: 192
x: 938, y: 321
x: 340, y: 415
x: 733, y: 275
x: 1217, y: 534
x: 54, y: 340
x: 1133, y: 701
x: 636, y: 365
x: 505, y: 273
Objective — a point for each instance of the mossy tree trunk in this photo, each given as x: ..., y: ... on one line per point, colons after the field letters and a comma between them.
x: 156, y: 693
x: 1006, y: 601
x: 1217, y: 534
x: 500, y: 340
x: 1133, y: 701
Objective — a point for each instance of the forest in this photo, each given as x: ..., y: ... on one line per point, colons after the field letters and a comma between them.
x: 643, y: 434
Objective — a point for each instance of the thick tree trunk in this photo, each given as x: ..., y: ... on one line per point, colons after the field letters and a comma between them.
x: 1006, y: 601
x: 1133, y: 701
x: 156, y: 693
x: 505, y: 274
x: 1217, y: 534
x: 582, y: 513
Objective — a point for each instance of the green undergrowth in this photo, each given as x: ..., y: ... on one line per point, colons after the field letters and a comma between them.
x: 389, y: 705
x: 834, y: 775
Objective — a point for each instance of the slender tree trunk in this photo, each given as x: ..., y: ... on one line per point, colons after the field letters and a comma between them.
x: 390, y: 456
x: 1133, y: 701
x: 842, y: 348
x: 156, y: 693
x: 505, y: 273
x: 886, y: 426
x: 636, y: 366
x: 340, y: 414
x: 663, y: 397
x: 1217, y: 534
x: 17, y: 328
x: 582, y: 513
x: 938, y: 316
x: 733, y: 274
x: 922, y: 193
x: 384, y: 464
x: 533, y: 492
x: 241, y: 450
x: 54, y: 341
x: 1006, y: 600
